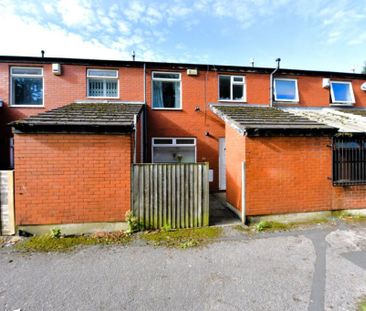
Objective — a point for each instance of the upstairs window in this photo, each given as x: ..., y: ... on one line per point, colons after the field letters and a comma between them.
x: 166, y: 90
x: 285, y: 90
x: 232, y: 88
x: 174, y: 150
x: 26, y: 87
x: 102, y: 83
x: 342, y: 93
x: 349, y: 161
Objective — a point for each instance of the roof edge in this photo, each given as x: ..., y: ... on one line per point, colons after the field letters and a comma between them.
x: 211, y: 67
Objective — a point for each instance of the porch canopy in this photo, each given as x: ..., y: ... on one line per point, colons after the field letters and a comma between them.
x: 261, y: 120
x: 90, y: 117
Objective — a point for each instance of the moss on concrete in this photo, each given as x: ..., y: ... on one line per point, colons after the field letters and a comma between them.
x: 282, y: 226
x: 362, y: 305
x: 346, y: 216
x: 182, y: 238
x: 241, y: 228
x: 47, y: 243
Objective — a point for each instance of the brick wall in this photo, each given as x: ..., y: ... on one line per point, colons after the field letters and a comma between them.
x: 285, y: 175
x: 200, y: 91
x: 235, y: 155
x: 60, y: 91
x: 68, y: 178
x: 197, y: 91
x: 288, y: 174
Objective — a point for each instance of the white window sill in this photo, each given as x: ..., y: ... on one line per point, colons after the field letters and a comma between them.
x: 26, y: 106
x: 232, y: 101
x: 342, y: 104
x: 101, y: 97
x: 168, y: 109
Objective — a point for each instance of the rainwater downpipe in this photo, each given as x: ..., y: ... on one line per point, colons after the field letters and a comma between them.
x: 134, y: 138
x: 144, y: 120
x: 278, y: 60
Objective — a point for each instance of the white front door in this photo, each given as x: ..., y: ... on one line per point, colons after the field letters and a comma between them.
x: 222, y: 164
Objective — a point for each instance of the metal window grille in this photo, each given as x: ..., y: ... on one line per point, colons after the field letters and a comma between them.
x: 349, y: 161
x: 103, y: 88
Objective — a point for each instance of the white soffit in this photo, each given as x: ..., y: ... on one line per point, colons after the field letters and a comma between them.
x: 345, y: 122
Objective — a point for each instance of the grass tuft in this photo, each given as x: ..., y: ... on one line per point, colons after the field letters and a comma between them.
x: 242, y: 228
x: 265, y: 225
x: 47, y: 243
x: 182, y: 238
x: 362, y: 305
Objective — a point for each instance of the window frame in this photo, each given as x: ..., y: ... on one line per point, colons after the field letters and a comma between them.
x: 232, y: 82
x: 348, y: 161
x: 102, y: 78
x: 166, y: 80
x: 173, y: 144
x: 296, y: 100
x: 341, y: 103
x: 11, y: 93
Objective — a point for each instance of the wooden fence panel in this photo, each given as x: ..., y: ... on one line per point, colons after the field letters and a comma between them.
x: 175, y: 195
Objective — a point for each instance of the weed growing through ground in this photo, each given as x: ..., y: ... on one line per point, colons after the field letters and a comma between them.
x: 266, y: 225
x: 56, y: 233
x: 133, y: 223
x: 183, y: 238
x: 362, y: 305
x: 47, y: 243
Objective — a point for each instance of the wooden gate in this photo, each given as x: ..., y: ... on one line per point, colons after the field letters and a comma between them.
x: 174, y: 195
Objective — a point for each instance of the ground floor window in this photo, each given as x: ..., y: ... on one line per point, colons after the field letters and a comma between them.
x: 173, y: 150
x: 349, y: 161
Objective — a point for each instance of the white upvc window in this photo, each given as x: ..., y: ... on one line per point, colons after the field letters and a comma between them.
x: 232, y: 88
x: 102, y: 83
x: 286, y: 90
x: 166, y: 90
x: 173, y: 150
x: 26, y: 87
x: 341, y: 93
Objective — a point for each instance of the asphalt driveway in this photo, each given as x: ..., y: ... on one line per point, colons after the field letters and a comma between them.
x: 323, y: 268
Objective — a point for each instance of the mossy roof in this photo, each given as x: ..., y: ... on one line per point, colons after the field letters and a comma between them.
x: 117, y: 117
x: 255, y: 119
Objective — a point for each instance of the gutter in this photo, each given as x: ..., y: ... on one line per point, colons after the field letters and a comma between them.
x: 278, y: 60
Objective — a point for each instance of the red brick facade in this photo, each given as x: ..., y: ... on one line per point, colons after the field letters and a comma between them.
x: 285, y: 175
x: 68, y: 178
x: 86, y: 178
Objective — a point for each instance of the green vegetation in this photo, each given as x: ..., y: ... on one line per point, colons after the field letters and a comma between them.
x: 267, y: 225
x: 348, y: 217
x: 133, y: 223
x: 242, y: 228
x: 280, y: 226
x: 183, y: 238
x: 47, y: 243
x: 56, y: 233
x: 362, y: 305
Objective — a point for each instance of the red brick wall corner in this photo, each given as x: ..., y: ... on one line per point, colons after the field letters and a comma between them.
x: 71, y: 178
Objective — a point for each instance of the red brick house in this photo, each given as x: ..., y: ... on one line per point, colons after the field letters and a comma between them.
x: 176, y: 117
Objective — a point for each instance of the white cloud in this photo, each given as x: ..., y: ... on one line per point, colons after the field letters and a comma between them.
x: 93, y: 28
x: 134, y: 11
x: 75, y: 12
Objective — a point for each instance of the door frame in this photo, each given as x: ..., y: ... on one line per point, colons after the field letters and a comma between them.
x: 222, y: 157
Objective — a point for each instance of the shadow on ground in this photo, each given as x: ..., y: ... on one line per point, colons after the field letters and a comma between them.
x: 219, y: 213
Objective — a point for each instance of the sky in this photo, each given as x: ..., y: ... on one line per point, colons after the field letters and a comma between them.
x: 305, y: 34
